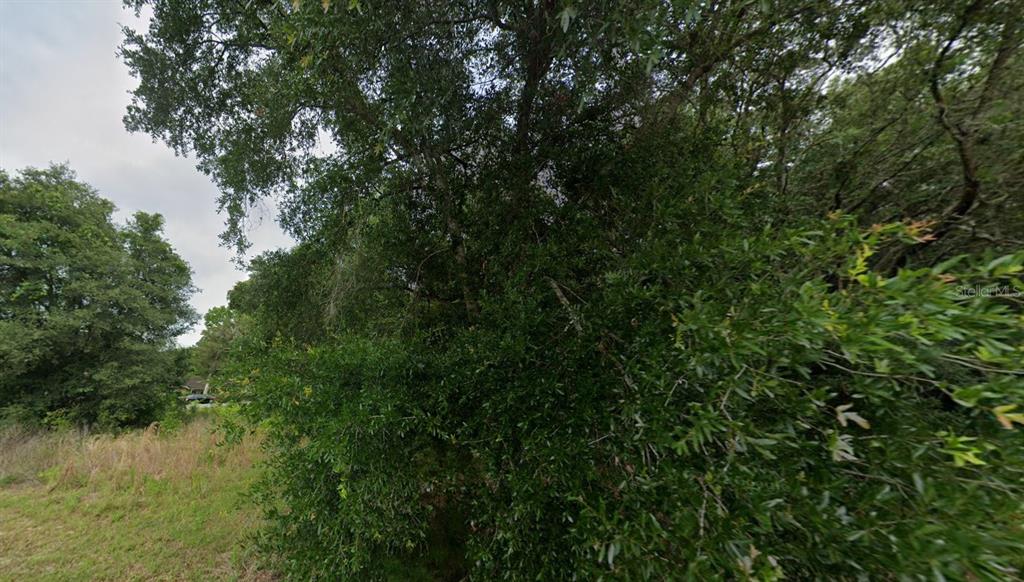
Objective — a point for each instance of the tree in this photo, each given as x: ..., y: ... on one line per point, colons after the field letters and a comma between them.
x: 932, y: 135
x: 223, y: 329
x: 570, y: 298
x: 88, y: 309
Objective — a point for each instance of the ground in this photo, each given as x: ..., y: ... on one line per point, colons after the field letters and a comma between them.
x: 140, y: 506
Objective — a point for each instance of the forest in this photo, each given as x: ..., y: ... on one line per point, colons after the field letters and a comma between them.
x: 642, y: 290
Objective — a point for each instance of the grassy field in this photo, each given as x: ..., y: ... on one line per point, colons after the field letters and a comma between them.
x: 138, y: 506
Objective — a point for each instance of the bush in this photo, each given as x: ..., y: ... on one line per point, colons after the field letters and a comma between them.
x: 780, y: 411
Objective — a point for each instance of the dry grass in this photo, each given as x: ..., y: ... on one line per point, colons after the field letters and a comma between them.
x: 24, y: 454
x: 72, y: 459
x: 136, y: 506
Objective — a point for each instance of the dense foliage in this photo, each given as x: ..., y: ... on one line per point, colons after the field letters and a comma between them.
x: 643, y: 290
x: 222, y: 329
x: 88, y: 309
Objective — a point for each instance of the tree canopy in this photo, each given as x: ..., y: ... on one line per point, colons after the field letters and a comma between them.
x: 88, y: 309
x: 637, y: 290
x: 223, y: 328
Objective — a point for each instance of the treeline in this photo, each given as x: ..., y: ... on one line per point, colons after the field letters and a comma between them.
x: 631, y: 290
x: 89, y: 309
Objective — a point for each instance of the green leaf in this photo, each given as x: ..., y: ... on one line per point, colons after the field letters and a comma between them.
x: 566, y: 16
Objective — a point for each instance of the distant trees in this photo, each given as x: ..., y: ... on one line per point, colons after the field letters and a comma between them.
x: 636, y: 290
x: 223, y: 329
x: 88, y: 309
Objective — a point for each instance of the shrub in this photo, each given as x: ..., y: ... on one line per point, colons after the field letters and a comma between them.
x: 775, y: 409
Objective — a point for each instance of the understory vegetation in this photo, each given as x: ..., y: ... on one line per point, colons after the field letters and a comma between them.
x: 152, y: 504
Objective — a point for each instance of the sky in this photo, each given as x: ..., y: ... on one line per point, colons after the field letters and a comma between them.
x: 63, y: 92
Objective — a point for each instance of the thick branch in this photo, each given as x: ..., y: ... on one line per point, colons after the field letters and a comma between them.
x: 538, y: 56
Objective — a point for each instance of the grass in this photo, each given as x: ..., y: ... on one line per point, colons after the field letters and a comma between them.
x: 137, y: 506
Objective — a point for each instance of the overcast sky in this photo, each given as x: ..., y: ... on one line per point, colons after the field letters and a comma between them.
x: 63, y: 93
